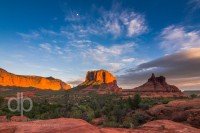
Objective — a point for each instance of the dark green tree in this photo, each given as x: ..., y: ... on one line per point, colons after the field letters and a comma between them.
x: 1, y: 100
x: 136, y: 100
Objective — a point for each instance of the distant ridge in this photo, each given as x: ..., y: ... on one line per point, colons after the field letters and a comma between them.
x: 155, y: 87
x: 44, y: 83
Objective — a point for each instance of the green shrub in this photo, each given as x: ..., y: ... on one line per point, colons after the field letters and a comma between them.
x: 136, y: 100
x: 111, y: 124
x: 97, y: 114
x: 126, y: 124
x: 75, y: 113
x: 129, y: 122
x: 166, y: 100
x: 193, y: 95
x: 1, y: 100
x: 144, y: 106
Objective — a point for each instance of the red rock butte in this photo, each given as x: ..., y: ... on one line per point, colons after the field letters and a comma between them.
x: 102, y: 80
x: 155, y: 87
x: 98, y: 77
x: 157, y: 84
x: 9, y: 79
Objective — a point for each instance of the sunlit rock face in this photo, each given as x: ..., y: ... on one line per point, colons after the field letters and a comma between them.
x: 9, y: 79
x: 98, y: 77
x: 100, y: 81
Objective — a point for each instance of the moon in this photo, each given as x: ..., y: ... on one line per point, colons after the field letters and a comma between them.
x: 77, y: 14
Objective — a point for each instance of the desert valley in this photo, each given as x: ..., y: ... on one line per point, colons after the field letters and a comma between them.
x: 99, y: 66
x: 154, y: 106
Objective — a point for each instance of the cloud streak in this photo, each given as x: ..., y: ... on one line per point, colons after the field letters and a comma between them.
x: 46, y: 46
x: 28, y: 37
x: 178, y: 66
x: 109, y: 56
x: 176, y: 38
x: 195, y: 4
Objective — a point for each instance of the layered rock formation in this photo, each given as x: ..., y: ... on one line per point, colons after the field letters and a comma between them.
x: 185, y: 111
x: 9, y: 79
x: 155, y: 87
x: 155, y: 84
x: 98, y: 77
x: 100, y: 81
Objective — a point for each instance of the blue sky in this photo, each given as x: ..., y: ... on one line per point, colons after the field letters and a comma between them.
x: 130, y: 38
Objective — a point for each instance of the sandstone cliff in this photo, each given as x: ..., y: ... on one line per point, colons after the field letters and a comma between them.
x: 98, y: 77
x: 9, y: 79
x: 100, y: 81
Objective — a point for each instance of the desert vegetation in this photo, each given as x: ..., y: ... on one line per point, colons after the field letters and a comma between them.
x: 112, y: 108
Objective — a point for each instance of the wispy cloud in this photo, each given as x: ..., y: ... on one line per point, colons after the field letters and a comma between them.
x: 109, y: 56
x: 46, y: 46
x: 128, y: 60
x: 75, y: 82
x: 136, y: 26
x: 113, y: 57
x: 117, y: 22
x: 49, y: 32
x: 55, y: 49
x: 195, y: 4
x: 81, y: 43
x: 55, y: 69
x: 175, y: 38
x: 29, y: 36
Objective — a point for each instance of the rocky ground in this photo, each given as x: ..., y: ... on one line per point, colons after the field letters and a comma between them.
x: 185, y: 111
x: 179, y: 116
x: 69, y: 125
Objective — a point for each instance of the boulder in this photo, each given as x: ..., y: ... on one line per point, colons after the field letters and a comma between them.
x: 187, y: 111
